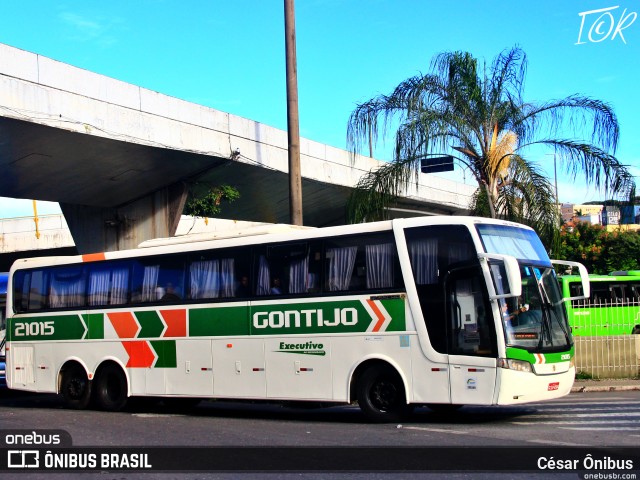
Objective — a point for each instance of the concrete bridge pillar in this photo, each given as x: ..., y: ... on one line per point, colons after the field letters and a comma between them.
x: 98, y: 229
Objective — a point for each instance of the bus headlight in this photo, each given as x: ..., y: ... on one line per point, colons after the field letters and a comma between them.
x: 517, y: 365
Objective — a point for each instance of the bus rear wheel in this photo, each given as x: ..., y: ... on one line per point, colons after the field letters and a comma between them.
x: 381, y: 395
x: 110, y: 388
x: 75, y: 387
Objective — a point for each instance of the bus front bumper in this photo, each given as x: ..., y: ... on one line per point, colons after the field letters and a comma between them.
x: 523, y: 387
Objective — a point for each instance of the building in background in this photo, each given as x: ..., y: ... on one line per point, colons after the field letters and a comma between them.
x: 572, y: 211
x: 610, y: 216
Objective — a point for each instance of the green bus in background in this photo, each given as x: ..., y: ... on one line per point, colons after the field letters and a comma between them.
x: 613, y: 308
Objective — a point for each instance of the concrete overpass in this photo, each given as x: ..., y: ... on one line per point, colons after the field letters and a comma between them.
x: 121, y: 159
x: 47, y: 235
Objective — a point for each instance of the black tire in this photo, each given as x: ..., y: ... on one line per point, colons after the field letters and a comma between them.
x: 110, y: 388
x: 636, y: 330
x: 75, y: 387
x: 381, y: 395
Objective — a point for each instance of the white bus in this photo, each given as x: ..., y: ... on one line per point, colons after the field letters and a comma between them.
x: 389, y: 315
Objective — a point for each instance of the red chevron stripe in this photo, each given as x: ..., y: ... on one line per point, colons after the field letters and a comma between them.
x: 124, y: 323
x: 140, y: 354
x: 176, y: 321
x: 378, y: 313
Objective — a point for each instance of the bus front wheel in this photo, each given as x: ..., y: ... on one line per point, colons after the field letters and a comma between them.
x: 381, y: 395
x: 110, y: 388
x: 75, y: 387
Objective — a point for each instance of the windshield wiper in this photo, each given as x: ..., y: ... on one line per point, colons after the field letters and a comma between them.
x: 549, y: 310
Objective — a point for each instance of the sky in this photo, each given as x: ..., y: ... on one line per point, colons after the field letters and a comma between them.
x: 230, y: 55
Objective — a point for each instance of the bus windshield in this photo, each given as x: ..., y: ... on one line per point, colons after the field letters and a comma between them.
x: 536, y: 321
x: 520, y: 243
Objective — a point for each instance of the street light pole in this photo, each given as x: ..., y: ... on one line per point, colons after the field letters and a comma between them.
x: 295, y: 180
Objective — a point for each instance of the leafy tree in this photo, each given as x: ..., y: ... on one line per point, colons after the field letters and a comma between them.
x: 582, y: 242
x: 209, y: 203
x: 599, y: 250
x: 478, y: 115
x: 623, y: 251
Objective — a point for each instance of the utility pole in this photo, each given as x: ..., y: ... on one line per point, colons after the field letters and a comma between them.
x: 295, y: 180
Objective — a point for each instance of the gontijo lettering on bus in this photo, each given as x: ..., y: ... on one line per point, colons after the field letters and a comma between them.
x: 365, y: 315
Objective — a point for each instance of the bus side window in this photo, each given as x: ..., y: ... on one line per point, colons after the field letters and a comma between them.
x: 575, y: 290
x: 617, y: 293
x: 361, y: 263
x: 67, y: 287
x: 287, y: 269
x: 158, y: 279
x: 470, y: 329
x: 600, y: 295
x: 108, y: 284
x: 380, y: 265
x: 340, y: 265
x: 212, y: 278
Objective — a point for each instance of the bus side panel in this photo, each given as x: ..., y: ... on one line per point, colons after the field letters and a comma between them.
x: 239, y: 368
x: 21, y: 367
x: 299, y: 367
x: 430, y: 379
x: 46, y: 374
x: 193, y: 373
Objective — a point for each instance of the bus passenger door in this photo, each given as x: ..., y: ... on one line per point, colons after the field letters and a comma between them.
x: 471, y: 338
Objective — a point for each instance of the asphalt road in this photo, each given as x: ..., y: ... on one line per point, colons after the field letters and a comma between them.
x: 583, y: 420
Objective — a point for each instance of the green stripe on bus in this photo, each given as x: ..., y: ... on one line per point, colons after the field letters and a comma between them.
x: 166, y: 351
x: 95, y: 324
x: 221, y: 321
x: 151, y: 325
x: 50, y: 327
x: 521, y: 354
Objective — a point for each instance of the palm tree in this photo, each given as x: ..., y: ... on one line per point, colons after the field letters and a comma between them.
x: 480, y: 118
